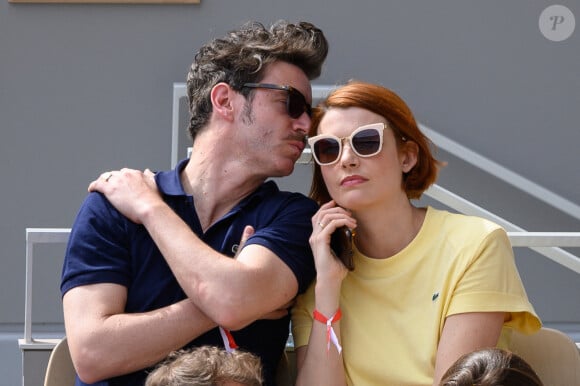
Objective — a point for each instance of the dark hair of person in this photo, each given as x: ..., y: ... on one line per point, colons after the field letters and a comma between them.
x: 490, y: 367
x: 243, y: 55
x: 382, y: 101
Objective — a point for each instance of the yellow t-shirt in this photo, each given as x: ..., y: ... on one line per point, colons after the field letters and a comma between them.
x: 394, y: 309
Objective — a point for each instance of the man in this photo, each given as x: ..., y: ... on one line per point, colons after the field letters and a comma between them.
x: 149, y: 265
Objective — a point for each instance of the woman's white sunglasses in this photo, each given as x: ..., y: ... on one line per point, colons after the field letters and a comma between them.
x: 365, y: 141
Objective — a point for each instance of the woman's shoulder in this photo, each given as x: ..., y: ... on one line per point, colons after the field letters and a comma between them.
x: 461, y: 229
x: 451, y: 220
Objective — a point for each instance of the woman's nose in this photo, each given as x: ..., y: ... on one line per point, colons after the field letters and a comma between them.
x: 348, y: 156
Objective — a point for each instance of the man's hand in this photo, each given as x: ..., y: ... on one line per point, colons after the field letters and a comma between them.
x: 248, y: 231
x: 280, y: 312
x: 132, y: 192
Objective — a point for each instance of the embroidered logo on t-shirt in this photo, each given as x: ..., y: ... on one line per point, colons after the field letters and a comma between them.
x: 435, y: 296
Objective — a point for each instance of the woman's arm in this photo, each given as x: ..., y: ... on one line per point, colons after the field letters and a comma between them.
x: 464, y: 333
x: 320, y: 362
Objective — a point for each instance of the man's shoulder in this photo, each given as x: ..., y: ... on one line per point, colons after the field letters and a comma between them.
x: 96, y: 203
x: 97, y: 214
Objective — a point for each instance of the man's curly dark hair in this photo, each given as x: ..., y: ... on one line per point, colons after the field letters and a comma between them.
x: 242, y: 57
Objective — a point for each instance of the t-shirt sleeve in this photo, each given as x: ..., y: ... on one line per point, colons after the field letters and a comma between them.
x: 287, y: 236
x: 96, y: 251
x: 491, y: 283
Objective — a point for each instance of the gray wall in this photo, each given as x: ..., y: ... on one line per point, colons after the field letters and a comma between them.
x: 87, y: 88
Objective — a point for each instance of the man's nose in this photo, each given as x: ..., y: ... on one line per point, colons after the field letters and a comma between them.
x: 302, y: 123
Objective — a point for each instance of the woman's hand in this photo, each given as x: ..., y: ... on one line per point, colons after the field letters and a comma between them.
x: 327, y: 220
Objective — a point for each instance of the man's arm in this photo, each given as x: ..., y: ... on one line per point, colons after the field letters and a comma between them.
x: 232, y: 292
x: 105, y: 342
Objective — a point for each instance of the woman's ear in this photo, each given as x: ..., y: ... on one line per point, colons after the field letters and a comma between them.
x: 221, y: 96
x: 409, y: 154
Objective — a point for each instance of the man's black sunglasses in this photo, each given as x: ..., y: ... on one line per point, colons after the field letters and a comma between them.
x: 296, y: 104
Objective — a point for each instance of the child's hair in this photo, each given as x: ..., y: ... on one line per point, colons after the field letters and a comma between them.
x: 207, y: 366
x: 490, y: 367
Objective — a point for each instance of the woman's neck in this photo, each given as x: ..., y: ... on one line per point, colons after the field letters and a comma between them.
x: 383, y: 233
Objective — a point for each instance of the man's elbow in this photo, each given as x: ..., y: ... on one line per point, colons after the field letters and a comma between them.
x: 91, y: 366
x: 89, y: 377
x: 86, y: 368
x: 231, y: 318
x: 225, y: 308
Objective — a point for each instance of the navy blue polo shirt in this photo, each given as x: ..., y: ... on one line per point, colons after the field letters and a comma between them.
x: 106, y: 247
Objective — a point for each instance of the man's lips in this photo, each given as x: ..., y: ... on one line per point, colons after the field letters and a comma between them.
x: 299, y: 145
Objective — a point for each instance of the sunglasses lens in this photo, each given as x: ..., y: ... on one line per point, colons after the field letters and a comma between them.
x: 367, y: 142
x: 297, y: 104
x: 326, y: 150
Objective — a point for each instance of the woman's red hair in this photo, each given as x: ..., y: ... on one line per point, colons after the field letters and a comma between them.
x: 384, y: 102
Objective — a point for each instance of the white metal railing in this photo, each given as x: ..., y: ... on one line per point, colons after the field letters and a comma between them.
x: 179, y: 91
x: 37, y: 236
x: 544, y: 243
x: 504, y: 174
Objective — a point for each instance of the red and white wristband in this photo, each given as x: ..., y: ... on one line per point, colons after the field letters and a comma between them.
x: 330, y: 334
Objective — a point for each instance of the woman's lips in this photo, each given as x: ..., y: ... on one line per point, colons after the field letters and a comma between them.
x: 352, y: 180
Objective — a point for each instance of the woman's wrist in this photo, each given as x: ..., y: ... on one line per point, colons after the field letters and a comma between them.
x: 327, y: 298
x: 328, y: 282
x: 328, y: 321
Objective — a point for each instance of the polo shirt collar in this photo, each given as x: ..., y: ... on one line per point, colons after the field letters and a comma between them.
x: 169, y: 183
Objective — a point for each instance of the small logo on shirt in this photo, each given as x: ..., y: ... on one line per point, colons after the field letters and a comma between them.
x: 435, y: 296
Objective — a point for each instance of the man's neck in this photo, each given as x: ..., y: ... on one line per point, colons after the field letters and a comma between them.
x: 217, y: 180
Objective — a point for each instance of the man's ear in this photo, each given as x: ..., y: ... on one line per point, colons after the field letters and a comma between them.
x: 409, y: 153
x: 221, y: 96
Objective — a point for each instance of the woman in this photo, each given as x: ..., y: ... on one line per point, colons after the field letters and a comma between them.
x: 427, y: 287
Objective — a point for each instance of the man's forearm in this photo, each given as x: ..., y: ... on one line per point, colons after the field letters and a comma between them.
x: 125, y: 343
